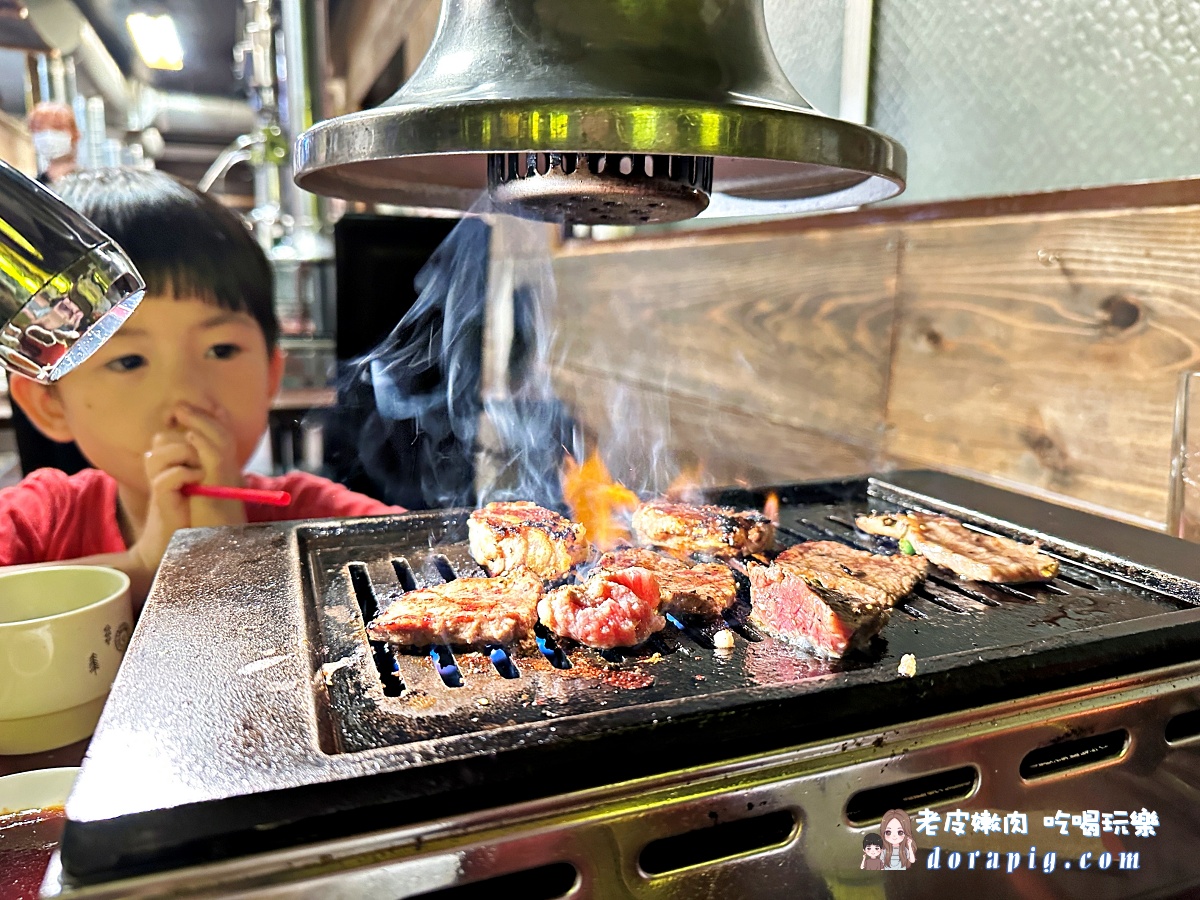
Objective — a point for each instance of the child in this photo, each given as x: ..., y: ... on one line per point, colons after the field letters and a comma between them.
x: 179, y: 395
x: 872, y: 852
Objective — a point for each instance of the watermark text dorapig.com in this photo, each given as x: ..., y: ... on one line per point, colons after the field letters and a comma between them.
x: 1091, y: 823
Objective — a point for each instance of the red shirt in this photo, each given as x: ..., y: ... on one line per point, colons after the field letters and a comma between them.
x: 51, y: 516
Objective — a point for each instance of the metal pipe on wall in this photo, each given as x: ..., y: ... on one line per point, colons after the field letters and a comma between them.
x: 106, y: 77
x: 306, y: 63
x: 176, y: 112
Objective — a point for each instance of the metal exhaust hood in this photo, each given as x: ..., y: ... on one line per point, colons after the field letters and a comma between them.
x: 601, y: 112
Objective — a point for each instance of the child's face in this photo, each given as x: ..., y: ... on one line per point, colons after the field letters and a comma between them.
x: 171, y: 354
x: 873, y: 850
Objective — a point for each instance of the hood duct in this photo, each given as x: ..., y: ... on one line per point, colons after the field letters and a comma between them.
x: 605, y: 112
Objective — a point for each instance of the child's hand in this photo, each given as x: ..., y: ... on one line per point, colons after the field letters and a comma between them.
x: 171, y: 463
x: 209, y: 435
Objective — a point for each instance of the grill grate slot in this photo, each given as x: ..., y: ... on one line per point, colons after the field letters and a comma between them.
x: 404, y: 574
x: 692, y: 630
x: 969, y: 588
x: 1077, y: 577
x: 840, y: 528
x: 548, y: 645
x: 381, y: 654
x: 444, y: 568
x: 800, y: 532
x: 838, y: 533
x: 503, y: 663
x: 848, y: 523
x: 939, y: 598
x: 446, y: 665
x: 1047, y: 587
x: 1014, y: 591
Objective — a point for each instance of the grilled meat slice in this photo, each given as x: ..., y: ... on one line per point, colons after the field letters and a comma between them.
x: 467, y: 611
x: 610, y: 609
x: 827, y: 597
x: 518, y: 535
x: 855, y: 573
x: 704, y: 590
x: 948, y: 543
x: 683, y: 529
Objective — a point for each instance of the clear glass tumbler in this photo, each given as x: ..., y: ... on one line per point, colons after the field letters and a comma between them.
x: 1183, y: 509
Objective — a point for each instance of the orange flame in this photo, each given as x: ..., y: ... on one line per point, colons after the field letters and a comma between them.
x: 597, y: 502
x: 685, y: 488
x: 771, y: 507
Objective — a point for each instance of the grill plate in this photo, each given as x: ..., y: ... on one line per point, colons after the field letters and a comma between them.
x: 250, y: 714
x: 388, y: 697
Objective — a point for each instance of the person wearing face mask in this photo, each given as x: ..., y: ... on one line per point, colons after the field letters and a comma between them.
x: 55, y: 140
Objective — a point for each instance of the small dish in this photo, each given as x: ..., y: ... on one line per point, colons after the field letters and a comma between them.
x: 36, y: 789
x: 63, y: 633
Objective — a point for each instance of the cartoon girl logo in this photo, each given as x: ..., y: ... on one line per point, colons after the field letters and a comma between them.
x: 899, y: 852
x: 872, y: 852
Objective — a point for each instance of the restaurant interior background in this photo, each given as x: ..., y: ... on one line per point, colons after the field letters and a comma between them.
x: 1022, y: 314
x: 1025, y: 315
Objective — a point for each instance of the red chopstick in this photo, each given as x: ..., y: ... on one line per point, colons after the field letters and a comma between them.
x: 246, y: 495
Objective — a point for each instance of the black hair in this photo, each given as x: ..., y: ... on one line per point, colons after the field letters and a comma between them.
x: 873, y: 840
x: 183, y: 242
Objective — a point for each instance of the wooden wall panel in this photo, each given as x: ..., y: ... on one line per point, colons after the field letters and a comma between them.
x: 1046, y: 351
x: 649, y: 437
x: 1040, y: 351
x: 367, y: 34
x: 794, y: 331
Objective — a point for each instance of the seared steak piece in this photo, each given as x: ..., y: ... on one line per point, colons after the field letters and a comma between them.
x: 683, y: 529
x: 827, y: 597
x: 610, y: 609
x: 856, y: 573
x: 703, y: 590
x: 518, y: 535
x: 473, y: 611
x: 948, y: 543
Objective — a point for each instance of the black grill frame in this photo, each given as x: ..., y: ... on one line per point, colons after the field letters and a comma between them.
x: 266, y: 760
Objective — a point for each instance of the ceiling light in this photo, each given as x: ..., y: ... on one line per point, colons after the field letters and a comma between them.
x: 156, y: 40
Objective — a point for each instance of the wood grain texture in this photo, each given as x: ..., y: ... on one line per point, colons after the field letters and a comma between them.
x: 1041, y: 352
x: 1174, y: 192
x: 367, y: 34
x: 794, y: 331
x: 647, y: 438
x: 1046, y: 351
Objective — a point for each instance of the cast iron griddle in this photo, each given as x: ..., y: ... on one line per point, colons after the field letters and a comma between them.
x: 252, y: 713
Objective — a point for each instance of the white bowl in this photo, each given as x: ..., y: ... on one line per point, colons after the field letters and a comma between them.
x: 37, y: 789
x: 63, y: 633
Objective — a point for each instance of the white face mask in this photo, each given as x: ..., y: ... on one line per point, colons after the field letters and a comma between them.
x: 51, y: 145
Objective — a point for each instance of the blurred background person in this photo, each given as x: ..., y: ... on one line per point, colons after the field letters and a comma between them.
x: 55, y: 140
